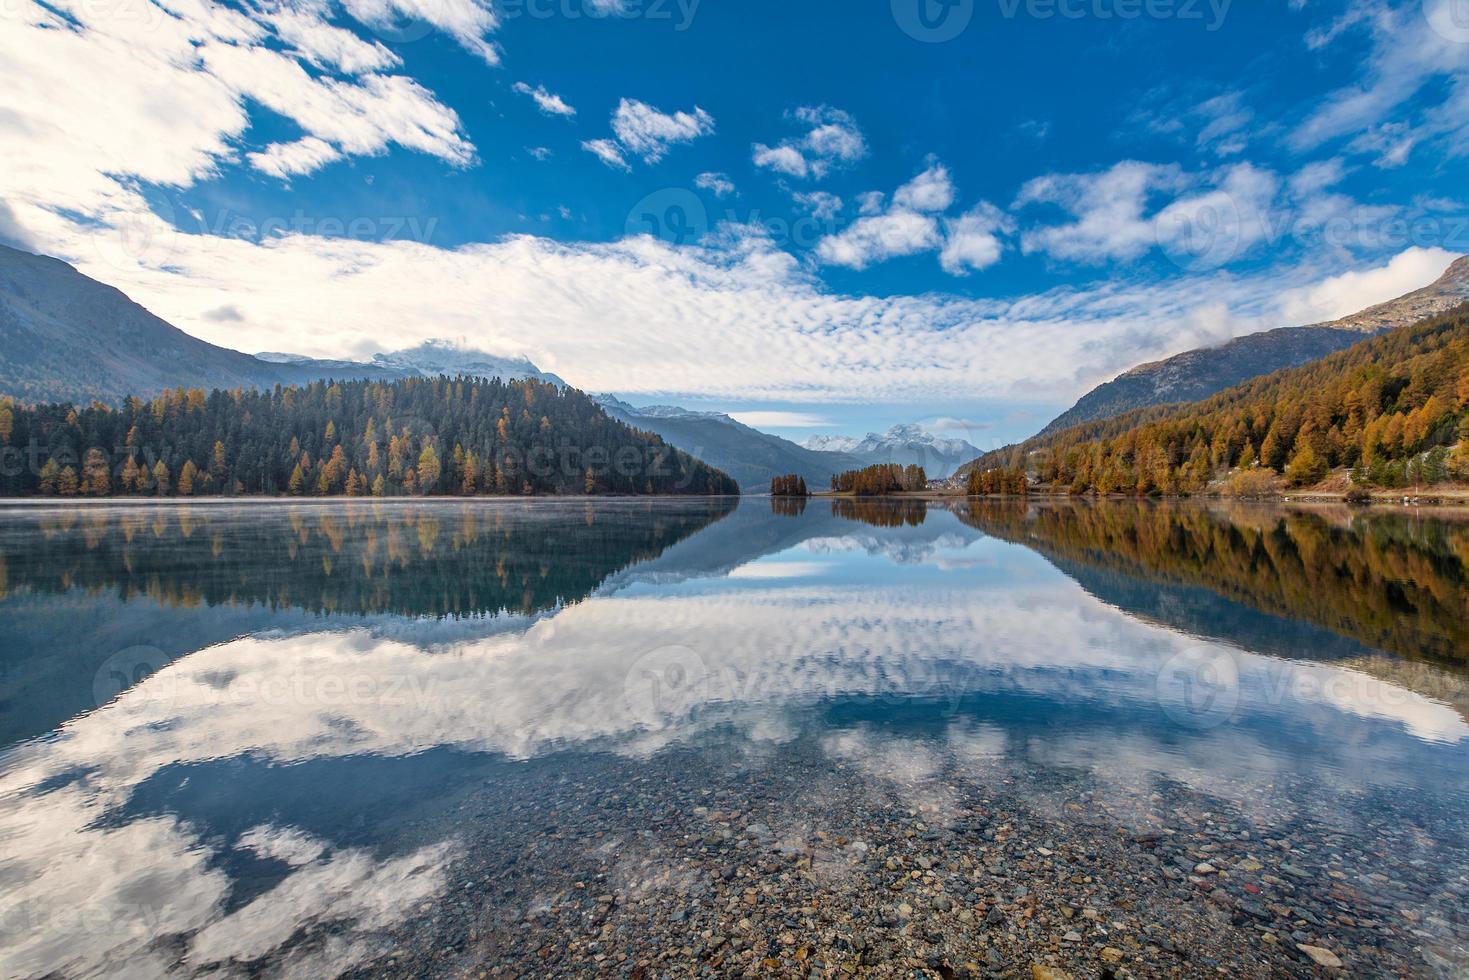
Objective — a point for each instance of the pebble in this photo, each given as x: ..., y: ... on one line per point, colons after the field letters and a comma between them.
x: 1322, y: 957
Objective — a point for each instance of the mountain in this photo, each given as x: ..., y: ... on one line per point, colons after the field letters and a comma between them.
x: 67, y: 337
x: 902, y: 444
x: 750, y: 456
x: 1393, y: 409
x: 433, y: 358
x: 1195, y: 375
x: 430, y: 359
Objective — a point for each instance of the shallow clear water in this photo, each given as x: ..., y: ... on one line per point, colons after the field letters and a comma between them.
x: 649, y: 737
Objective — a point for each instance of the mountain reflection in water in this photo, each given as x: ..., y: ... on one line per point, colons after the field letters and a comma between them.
x: 289, y: 740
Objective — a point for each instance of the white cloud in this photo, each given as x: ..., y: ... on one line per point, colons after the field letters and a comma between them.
x: 470, y: 22
x: 782, y: 159
x: 931, y: 190
x: 289, y: 159
x: 822, y: 205
x: 649, y: 133
x: 911, y: 225
x: 542, y: 153
x: 177, y: 86
x: 880, y: 237
x: 1316, y: 177
x: 303, y: 28
x: 1226, y: 119
x: 1340, y: 295
x: 834, y: 136
x: 1412, y: 45
x: 1109, y: 208
x: 737, y: 321
x: 1126, y: 211
x: 831, y: 139
x: 608, y: 152
x: 549, y: 102
x: 716, y: 183
x: 1218, y: 224
x: 972, y: 241
x: 781, y: 420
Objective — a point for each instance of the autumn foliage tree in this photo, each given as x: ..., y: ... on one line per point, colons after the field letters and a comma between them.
x: 440, y: 436
x: 1382, y: 410
x: 791, y: 485
x: 984, y: 483
x: 881, y: 479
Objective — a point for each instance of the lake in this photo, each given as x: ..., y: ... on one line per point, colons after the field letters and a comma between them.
x: 674, y: 737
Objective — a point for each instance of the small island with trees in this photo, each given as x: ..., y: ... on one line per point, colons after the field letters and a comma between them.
x: 790, y: 485
x: 880, y: 480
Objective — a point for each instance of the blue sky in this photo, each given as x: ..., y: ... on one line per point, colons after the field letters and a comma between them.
x: 824, y: 216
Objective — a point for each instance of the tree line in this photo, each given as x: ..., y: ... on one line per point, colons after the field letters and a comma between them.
x: 1393, y: 411
x: 790, y: 485
x: 997, y: 482
x: 418, y: 437
x: 880, y: 479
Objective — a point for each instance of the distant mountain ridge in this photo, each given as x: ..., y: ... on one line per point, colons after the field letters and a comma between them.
x: 67, y: 337
x: 750, y: 456
x: 902, y: 444
x: 1197, y: 374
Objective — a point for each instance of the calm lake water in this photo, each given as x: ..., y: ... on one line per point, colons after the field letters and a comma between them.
x: 671, y: 737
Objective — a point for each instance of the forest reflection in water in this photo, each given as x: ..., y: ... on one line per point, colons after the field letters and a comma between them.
x: 1394, y: 579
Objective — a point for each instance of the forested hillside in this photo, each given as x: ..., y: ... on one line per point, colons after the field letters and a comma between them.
x: 422, y: 436
x: 1195, y: 375
x: 1391, y: 409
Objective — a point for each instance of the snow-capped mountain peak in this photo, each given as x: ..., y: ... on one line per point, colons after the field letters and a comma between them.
x: 903, y: 444
x: 435, y: 357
